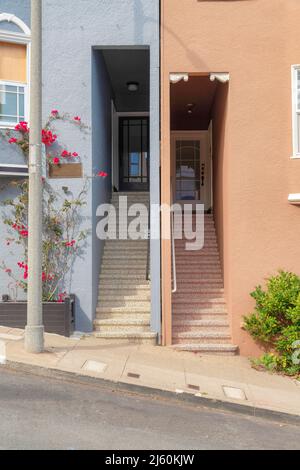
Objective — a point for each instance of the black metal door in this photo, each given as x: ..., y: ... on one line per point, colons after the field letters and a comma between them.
x: 134, y: 153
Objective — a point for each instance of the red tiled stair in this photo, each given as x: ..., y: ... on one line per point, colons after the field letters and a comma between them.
x: 200, y: 316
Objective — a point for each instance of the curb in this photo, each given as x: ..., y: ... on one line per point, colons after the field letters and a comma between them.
x: 210, y: 403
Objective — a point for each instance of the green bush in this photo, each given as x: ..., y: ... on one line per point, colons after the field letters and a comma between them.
x: 276, y: 322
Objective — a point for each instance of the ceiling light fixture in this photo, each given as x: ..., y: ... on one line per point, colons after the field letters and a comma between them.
x: 132, y: 86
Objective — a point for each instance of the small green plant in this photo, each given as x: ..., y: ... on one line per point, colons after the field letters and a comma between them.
x: 276, y: 322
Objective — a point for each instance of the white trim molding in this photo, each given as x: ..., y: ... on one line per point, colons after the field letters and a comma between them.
x: 294, y: 198
x: 8, y: 169
x: 177, y: 77
x: 10, y: 18
x: 220, y: 77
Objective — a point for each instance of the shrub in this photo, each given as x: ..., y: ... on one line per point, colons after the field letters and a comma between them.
x: 276, y: 322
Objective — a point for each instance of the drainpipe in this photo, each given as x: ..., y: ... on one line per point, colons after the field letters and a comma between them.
x: 34, y: 332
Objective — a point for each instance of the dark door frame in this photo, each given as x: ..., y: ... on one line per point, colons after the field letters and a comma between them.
x: 139, y: 186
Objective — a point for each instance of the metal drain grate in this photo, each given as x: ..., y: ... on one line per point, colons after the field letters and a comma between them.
x: 133, y: 376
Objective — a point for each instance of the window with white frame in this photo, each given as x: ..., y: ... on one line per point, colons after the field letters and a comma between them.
x: 13, y: 83
x: 296, y: 109
x: 12, y: 103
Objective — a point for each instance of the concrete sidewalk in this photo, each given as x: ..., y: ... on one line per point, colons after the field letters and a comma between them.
x: 230, y: 380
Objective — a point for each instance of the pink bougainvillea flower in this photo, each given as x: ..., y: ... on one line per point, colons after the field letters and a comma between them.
x: 8, y: 271
x: 75, y: 154
x: 102, y: 174
x: 65, y: 154
x: 13, y: 140
x: 77, y: 118
x: 61, y: 297
x: 71, y: 244
x: 22, y: 127
x: 56, y: 161
x: 25, y: 268
x: 48, y: 138
x: 24, y: 233
x: 44, y: 277
x: 54, y: 112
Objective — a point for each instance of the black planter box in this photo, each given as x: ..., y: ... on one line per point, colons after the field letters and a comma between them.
x: 57, y: 318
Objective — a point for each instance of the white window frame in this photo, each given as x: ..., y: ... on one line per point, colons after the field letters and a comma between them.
x: 24, y: 37
x: 16, y: 84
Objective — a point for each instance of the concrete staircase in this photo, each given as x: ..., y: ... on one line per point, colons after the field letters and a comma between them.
x: 200, y: 317
x: 123, y: 313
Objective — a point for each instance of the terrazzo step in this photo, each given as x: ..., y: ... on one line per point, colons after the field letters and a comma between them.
x: 208, y: 349
x: 136, y: 270
x: 135, y: 266
x: 128, y: 243
x: 198, y: 299
x: 204, y: 252
x: 116, y: 297
x: 121, y: 247
x: 130, y: 200
x: 198, y: 269
x: 115, y: 207
x: 200, y: 277
x: 115, y: 258
x: 128, y: 337
x: 142, y: 307
x: 122, y: 315
x: 209, y: 233
x: 116, y: 325
x: 186, y: 317
x: 200, y: 326
x: 139, y: 305
x: 209, y: 262
x: 122, y: 277
x: 124, y: 289
x: 124, y: 285
x: 131, y: 194
x: 187, y: 309
x: 199, y: 290
x: 203, y: 338
x: 124, y: 259
x: 184, y: 286
x: 197, y: 257
x: 210, y: 243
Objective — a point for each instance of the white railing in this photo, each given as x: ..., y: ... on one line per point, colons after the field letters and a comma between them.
x: 174, y: 274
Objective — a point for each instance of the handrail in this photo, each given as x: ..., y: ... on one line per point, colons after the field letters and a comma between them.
x: 173, y: 253
x: 174, y: 273
x: 148, y: 247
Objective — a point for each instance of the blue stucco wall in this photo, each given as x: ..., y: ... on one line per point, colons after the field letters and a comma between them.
x: 20, y: 8
x: 70, y: 75
x: 101, y: 154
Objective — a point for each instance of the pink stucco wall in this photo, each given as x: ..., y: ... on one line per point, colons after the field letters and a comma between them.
x: 256, y: 41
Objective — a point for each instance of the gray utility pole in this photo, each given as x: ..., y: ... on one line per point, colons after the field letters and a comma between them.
x: 34, y: 332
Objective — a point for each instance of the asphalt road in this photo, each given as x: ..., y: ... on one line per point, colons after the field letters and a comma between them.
x: 44, y: 413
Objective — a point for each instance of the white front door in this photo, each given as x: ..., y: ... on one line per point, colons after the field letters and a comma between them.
x: 191, y: 175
